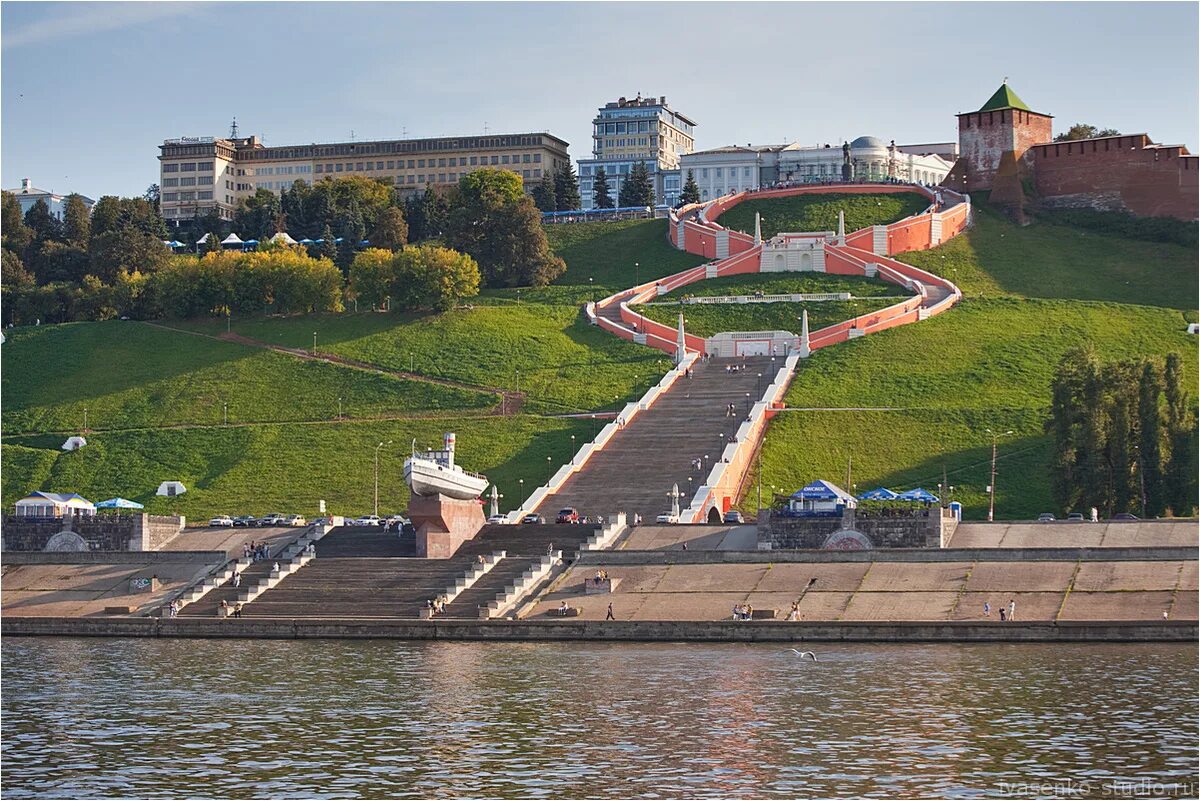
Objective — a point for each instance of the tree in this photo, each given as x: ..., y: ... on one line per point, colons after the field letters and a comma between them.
x: 373, y: 275
x: 126, y: 250
x: 543, y: 194
x: 435, y: 212
x: 1181, y: 468
x: 1081, y: 130
x: 391, y: 231
x: 256, y: 216
x: 14, y: 273
x: 17, y: 236
x: 77, y: 221
x: 500, y: 228
x: 1150, y: 444
x: 152, y: 194
x: 327, y: 249
x: 60, y: 261
x: 566, y: 188
x: 434, y: 277
x: 601, y: 199
x: 638, y: 188
x: 691, y: 191
x: 351, y: 230
x: 43, y: 224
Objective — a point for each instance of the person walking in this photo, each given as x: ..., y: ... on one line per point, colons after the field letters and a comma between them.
x: 610, y: 615
x: 1012, y: 609
x: 987, y: 609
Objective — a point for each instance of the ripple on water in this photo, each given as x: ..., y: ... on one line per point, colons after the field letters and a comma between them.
x: 93, y: 718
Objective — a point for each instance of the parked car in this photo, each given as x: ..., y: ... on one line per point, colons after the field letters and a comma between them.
x: 368, y: 520
x: 1045, y: 517
x: 1125, y: 516
x: 273, y: 519
x: 533, y: 518
x: 734, y: 516
x: 321, y: 521
x: 245, y: 520
x: 1075, y: 517
x: 498, y: 520
x: 296, y: 520
x: 221, y: 520
x: 568, y: 515
x: 667, y: 517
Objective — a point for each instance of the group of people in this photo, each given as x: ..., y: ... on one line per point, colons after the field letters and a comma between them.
x: 174, y: 607
x: 437, y: 605
x: 601, y: 576
x: 735, y: 368
x: 1011, y: 611
x: 231, y: 610
x: 743, y: 612
x: 255, y: 550
x: 563, y: 609
x: 794, y: 614
x: 731, y: 410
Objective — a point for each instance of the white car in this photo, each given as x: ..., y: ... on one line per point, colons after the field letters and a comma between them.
x: 498, y: 520
x: 295, y: 520
x: 221, y: 520
x: 667, y: 517
x: 368, y: 520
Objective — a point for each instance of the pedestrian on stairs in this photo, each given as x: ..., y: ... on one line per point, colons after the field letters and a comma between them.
x: 610, y: 615
x: 237, y: 610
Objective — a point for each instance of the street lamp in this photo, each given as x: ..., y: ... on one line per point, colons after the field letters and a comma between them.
x: 225, y: 413
x: 637, y: 274
x: 759, y: 385
x: 314, y: 343
x: 572, y: 449
x: 992, y: 486
x: 547, y: 471
x: 747, y: 403
x: 85, y: 428
x: 377, y: 447
x: 339, y: 408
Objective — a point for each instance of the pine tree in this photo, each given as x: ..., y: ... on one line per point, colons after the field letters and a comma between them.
x: 1150, y: 440
x: 328, y: 246
x: 77, y: 222
x: 44, y: 224
x: 601, y: 199
x: 691, y: 192
x: 435, y: 209
x: 543, y: 194
x: 638, y: 189
x: 566, y: 188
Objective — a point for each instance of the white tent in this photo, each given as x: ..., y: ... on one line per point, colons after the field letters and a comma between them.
x: 74, y: 443
x: 283, y: 237
x: 171, y: 489
x: 232, y: 239
x: 202, y: 239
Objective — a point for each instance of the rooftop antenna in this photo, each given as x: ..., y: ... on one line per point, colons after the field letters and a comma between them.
x: 351, y: 134
x: 233, y: 129
x: 485, y: 126
x: 404, y: 132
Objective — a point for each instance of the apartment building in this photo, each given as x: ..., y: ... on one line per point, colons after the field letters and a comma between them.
x: 645, y: 130
x: 202, y: 174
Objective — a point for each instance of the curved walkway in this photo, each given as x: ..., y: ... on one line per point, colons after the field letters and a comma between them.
x: 637, y: 465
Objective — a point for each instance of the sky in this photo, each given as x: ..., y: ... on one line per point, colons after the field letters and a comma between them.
x: 89, y: 90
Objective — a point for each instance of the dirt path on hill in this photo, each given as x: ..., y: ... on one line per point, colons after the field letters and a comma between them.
x: 510, y: 402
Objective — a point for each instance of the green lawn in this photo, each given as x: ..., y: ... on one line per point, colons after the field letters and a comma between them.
x: 704, y: 320
x: 787, y: 284
x: 130, y: 374
x: 820, y: 212
x: 986, y: 364
x: 564, y: 363
x: 995, y: 258
x: 607, y: 251
x: 285, y: 468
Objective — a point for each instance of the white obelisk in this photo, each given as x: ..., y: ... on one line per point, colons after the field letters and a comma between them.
x: 757, y: 228
x: 841, y: 234
x: 805, y: 348
x: 680, y: 343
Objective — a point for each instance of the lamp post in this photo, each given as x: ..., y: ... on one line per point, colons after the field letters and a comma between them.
x: 339, y: 408
x: 992, y: 486
x: 224, y: 413
x: 637, y: 274
x: 591, y: 288
x: 547, y: 471
x: 377, y: 447
x: 314, y: 343
x: 85, y: 428
x: 747, y: 403
x: 521, y: 482
x: 572, y: 449
x: 518, y: 297
x: 759, y: 385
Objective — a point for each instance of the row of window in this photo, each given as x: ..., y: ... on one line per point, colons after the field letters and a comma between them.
x: 717, y: 171
x: 203, y: 180
x: 610, y: 128
x: 170, y: 197
x: 299, y: 169
x: 413, y: 164
x: 189, y: 166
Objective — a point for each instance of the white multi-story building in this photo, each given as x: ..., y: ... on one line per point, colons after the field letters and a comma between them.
x: 28, y: 195
x: 724, y: 170
x: 627, y: 132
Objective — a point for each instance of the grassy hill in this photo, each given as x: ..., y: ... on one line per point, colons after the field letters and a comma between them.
x: 820, y: 212
x: 787, y: 283
x: 607, y: 251
x: 1031, y: 294
x: 706, y: 320
x: 255, y: 469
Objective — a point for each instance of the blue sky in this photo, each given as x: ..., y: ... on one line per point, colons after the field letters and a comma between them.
x: 88, y: 90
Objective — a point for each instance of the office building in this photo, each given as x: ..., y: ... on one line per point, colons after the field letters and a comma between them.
x: 28, y: 195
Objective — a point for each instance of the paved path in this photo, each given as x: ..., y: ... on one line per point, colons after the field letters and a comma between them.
x: 654, y: 450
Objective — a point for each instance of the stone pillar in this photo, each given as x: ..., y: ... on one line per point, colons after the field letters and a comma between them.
x: 757, y: 228
x: 443, y: 524
x: 680, y: 343
x: 841, y: 232
x: 805, y: 348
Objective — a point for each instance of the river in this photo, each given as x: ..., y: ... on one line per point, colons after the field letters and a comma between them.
x: 155, y: 718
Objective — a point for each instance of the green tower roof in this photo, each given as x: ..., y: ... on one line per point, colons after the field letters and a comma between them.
x: 1004, y: 98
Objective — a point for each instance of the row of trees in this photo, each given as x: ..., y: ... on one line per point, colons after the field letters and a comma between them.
x: 415, y: 277
x: 558, y: 190
x: 487, y: 216
x: 1124, y: 436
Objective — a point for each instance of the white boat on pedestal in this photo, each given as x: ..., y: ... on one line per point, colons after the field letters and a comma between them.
x: 435, y: 473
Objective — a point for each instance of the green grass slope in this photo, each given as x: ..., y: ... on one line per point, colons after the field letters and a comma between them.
x: 995, y: 258
x: 285, y: 468
x: 706, y: 320
x: 787, y: 284
x: 130, y: 374
x: 820, y: 212
x: 606, y: 252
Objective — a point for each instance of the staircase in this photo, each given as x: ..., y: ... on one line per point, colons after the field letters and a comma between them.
x: 636, y: 469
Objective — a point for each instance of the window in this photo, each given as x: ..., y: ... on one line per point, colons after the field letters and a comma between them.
x: 189, y: 166
x: 504, y: 159
x: 205, y: 195
x: 525, y: 158
x: 329, y: 168
x: 745, y: 172
x: 170, y: 182
x: 339, y: 167
x: 170, y: 196
x: 191, y: 181
x: 421, y: 178
x: 704, y: 172
x: 453, y: 162
x: 441, y: 177
x: 537, y: 173
x: 371, y: 166
x: 474, y: 160
x: 524, y: 173
x: 320, y: 168
x: 441, y: 162
x: 412, y: 179
x: 358, y: 167
x: 379, y: 165
x: 205, y: 180
x: 187, y: 195
x: 495, y: 159
x: 391, y: 165
x: 537, y: 158
x: 412, y: 164
x: 170, y: 168
x: 716, y: 172
x: 420, y: 163
x: 205, y: 166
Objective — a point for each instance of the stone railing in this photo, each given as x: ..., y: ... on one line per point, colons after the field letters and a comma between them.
x: 468, y: 579
x: 606, y: 535
x: 513, y: 593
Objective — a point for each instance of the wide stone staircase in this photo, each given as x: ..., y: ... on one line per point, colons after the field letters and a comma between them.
x: 635, y: 471
x: 209, y: 605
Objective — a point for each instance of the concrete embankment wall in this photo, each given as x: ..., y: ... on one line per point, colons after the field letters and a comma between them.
x: 632, y: 631
x: 108, y: 557
x: 609, y: 558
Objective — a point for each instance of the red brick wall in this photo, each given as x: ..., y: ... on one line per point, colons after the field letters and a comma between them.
x: 983, y: 137
x: 1118, y: 174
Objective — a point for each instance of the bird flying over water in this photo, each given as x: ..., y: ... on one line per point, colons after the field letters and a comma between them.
x: 803, y: 654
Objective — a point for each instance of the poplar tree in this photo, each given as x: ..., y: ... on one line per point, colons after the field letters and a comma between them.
x: 1150, y: 440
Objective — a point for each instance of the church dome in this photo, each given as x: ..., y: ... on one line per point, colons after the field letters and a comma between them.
x: 868, y: 143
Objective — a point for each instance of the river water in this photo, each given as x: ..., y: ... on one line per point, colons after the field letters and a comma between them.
x: 156, y: 718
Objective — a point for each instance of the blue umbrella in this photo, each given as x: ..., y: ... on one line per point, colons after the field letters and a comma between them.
x: 919, y: 494
x: 119, y: 503
x: 879, y: 494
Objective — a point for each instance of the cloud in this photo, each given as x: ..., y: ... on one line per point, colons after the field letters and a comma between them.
x: 71, y: 19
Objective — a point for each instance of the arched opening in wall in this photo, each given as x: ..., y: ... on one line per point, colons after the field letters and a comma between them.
x: 806, y: 261
x: 779, y: 261
x: 714, y: 515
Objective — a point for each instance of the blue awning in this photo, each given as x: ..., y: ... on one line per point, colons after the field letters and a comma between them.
x: 119, y: 503
x: 820, y: 490
x: 920, y: 495
x: 879, y: 494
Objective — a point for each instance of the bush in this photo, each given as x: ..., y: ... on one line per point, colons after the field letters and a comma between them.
x: 421, y: 277
x: 1116, y: 223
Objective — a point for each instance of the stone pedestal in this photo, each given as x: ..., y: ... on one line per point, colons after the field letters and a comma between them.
x: 443, y: 524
